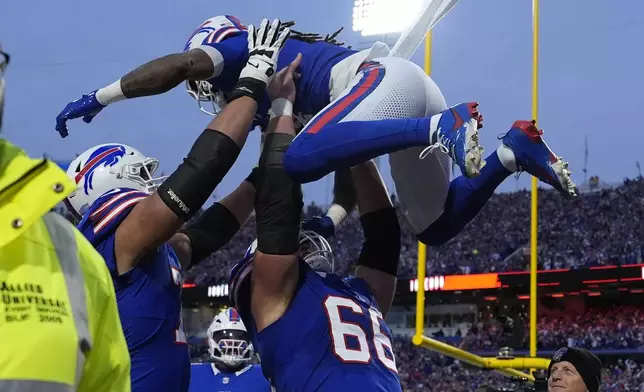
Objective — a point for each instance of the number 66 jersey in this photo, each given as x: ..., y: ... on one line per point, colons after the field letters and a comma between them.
x: 331, y: 338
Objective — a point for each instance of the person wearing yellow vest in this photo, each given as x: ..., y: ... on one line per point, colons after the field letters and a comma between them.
x: 59, y: 325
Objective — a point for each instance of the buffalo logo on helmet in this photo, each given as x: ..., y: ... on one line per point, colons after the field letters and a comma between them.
x: 105, y: 156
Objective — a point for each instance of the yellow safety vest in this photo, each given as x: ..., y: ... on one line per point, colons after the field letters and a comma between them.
x: 59, y: 324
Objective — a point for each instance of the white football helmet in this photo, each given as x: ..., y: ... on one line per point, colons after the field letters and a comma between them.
x: 228, y: 341
x: 106, y: 167
x: 210, y: 100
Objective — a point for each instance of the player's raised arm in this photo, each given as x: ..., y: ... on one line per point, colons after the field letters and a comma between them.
x: 278, y: 208
x: 155, y: 77
x: 154, y: 220
x: 203, y: 61
x: 378, y: 262
x: 344, y: 201
x: 217, y: 225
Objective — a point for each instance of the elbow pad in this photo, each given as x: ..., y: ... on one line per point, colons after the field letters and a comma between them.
x: 381, y: 248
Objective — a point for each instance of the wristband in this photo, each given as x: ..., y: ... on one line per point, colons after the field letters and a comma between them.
x: 281, y: 107
x: 248, y: 87
x: 110, y: 94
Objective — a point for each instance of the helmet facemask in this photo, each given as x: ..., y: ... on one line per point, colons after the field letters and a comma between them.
x: 204, y: 93
x: 142, y: 173
x: 231, y: 348
x: 316, y: 252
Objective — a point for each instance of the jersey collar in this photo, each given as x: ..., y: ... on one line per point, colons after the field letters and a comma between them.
x: 29, y: 188
x: 237, y: 373
x: 244, y: 370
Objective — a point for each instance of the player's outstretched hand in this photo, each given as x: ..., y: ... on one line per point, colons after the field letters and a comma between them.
x: 86, y: 107
x: 283, y: 84
x: 323, y: 225
x: 264, y: 45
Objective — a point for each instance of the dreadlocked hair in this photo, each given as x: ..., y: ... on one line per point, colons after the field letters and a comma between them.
x: 314, y: 37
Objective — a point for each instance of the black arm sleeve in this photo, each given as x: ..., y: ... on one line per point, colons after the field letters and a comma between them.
x: 188, y: 188
x: 381, y: 248
x: 211, y: 231
x: 252, y: 177
x: 278, y: 200
x: 214, y: 228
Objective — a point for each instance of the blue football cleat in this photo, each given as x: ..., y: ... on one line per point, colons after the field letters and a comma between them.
x: 456, y: 133
x: 532, y: 155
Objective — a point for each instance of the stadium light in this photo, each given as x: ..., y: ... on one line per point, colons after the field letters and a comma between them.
x: 379, y: 17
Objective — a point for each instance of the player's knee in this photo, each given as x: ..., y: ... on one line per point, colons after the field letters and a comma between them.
x: 436, y: 234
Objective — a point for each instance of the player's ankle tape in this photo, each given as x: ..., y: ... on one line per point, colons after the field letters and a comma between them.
x: 248, y: 87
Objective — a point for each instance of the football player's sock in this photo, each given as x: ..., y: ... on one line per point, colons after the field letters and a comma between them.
x: 465, y: 198
x: 345, y: 144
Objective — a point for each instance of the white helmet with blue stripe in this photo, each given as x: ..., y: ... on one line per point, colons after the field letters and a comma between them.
x: 105, y: 167
x: 212, y: 31
x: 228, y: 341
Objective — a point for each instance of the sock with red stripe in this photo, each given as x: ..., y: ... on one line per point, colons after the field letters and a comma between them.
x: 311, y: 156
x: 466, y: 197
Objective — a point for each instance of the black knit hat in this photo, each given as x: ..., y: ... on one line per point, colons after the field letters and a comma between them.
x: 586, y: 363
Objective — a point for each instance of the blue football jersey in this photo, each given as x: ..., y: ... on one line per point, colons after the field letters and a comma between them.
x: 331, y: 338
x: 207, y: 378
x: 229, y: 37
x: 148, y: 298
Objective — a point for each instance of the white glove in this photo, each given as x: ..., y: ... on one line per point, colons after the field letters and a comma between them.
x: 264, y: 46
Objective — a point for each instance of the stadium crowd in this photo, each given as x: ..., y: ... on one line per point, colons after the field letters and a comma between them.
x: 592, y: 226
x: 422, y: 370
x: 597, y: 328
